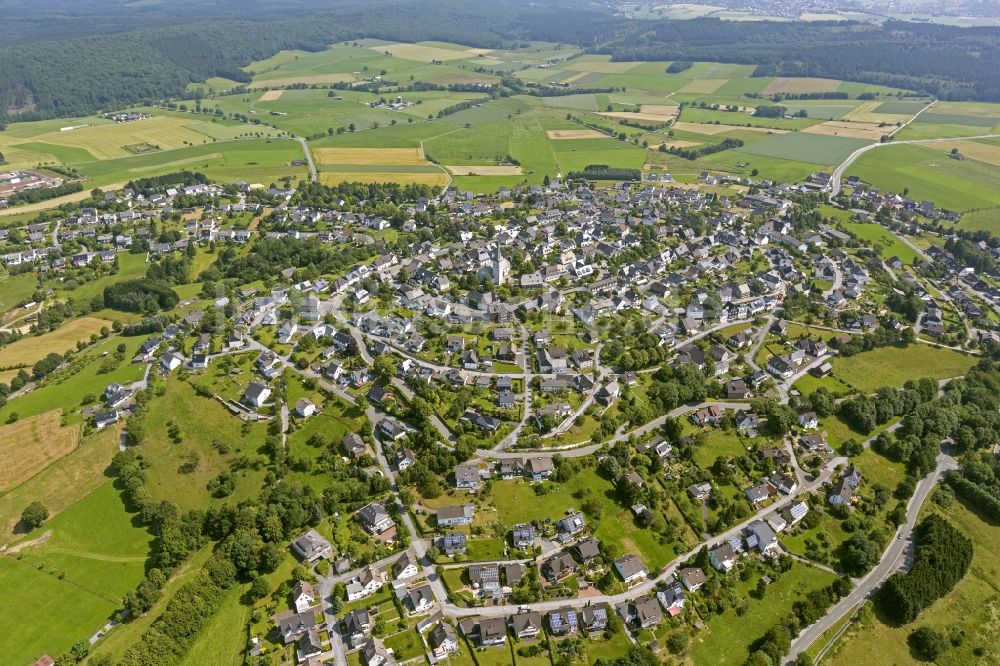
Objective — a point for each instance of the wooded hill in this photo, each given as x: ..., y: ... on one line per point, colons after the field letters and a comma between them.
x: 69, y: 77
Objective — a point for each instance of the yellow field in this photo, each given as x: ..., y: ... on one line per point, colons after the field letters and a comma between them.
x: 368, y: 156
x: 865, y: 113
x: 424, y: 178
x: 33, y: 348
x: 175, y: 163
x: 704, y: 86
x: 486, y: 170
x: 58, y: 201
x: 307, y: 80
x: 575, y: 134
x: 422, y: 53
x: 647, y: 116
x: 981, y: 152
x: 869, y: 131
x: 976, y: 109
x: 705, y: 128
x: 31, y: 444
x: 800, y: 85
x: 107, y: 142
x: 271, y: 96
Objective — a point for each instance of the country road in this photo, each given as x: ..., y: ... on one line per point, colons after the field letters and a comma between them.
x: 891, y: 560
x: 309, y: 158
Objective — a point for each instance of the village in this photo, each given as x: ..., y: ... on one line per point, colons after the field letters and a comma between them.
x: 633, y: 357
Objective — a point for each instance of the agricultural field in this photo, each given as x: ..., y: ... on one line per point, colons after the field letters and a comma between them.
x: 31, y: 444
x: 929, y: 174
x: 32, y: 348
x: 813, y: 148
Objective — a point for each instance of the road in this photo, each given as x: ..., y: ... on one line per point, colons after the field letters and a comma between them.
x: 891, y: 561
x: 309, y: 158
x: 838, y: 173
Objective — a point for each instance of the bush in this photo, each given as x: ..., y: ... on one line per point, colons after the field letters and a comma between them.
x: 927, y: 643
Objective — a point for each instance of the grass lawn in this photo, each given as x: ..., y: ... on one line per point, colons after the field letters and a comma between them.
x: 893, y: 366
x: 878, y: 469
x: 599, y: 648
x: 63, y: 390
x: 729, y: 634
x: 517, y: 502
x: 129, y: 266
x: 714, y: 443
x: 809, y: 384
x: 405, y: 645
x: 818, y: 543
x: 971, y: 609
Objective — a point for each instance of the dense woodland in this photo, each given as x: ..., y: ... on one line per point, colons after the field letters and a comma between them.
x: 61, y: 66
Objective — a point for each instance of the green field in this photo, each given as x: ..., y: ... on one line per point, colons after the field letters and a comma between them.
x: 891, y: 246
x: 813, y: 148
x: 929, y: 174
x: 64, y: 389
x: 900, y: 107
x: 15, y: 289
x: 986, y: 219
x: 892, y: 366
x: 202, y: 422
x: 72, y: 583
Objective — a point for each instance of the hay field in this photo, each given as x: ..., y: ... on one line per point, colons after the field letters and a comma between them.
x: 426, y: 53
x: 712, y: 129
x: 557, y: 135
x: 105, y: 142
x: 485, y: 170
x: 271, y: 96
x: 869, y: 131
x: 33, y: 348
x: 31, y: 444
x: 868, y: 113
x: 784, y: 84
x: 704, y: 86
x: 981, y: 152
x: 368, y: 156
x: 433, y: 178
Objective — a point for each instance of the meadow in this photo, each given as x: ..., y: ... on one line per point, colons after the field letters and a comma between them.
x: 894, y: 366
x: 728, y: 635
x: 74, y: 581
x: 891, y: 246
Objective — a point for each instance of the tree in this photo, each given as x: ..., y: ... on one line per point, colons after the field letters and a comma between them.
x: 927, y: 643
x: 34, y: 515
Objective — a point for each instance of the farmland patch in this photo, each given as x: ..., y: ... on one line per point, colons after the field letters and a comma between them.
x: 31, y: 444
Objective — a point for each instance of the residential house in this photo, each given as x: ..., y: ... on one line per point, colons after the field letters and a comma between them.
x: 312, y: 546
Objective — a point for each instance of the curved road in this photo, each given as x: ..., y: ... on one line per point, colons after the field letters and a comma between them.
x: 892, y: 560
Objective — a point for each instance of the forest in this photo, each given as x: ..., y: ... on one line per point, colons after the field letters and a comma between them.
x: 141, y: 59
